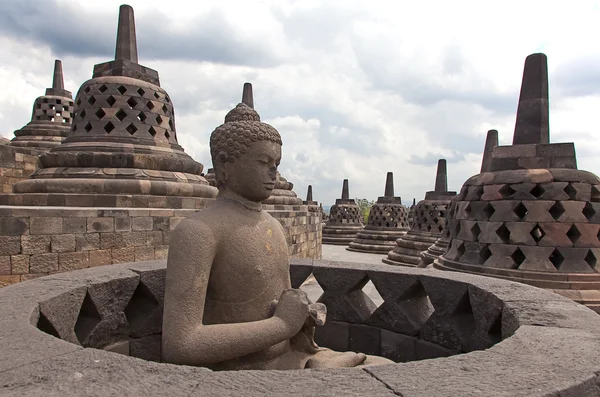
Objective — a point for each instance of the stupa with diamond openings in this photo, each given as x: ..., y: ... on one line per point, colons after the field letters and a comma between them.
x: 345, y: 220
x: 533, y: 217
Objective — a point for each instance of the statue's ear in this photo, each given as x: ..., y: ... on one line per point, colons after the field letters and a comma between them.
x: 221, y: 167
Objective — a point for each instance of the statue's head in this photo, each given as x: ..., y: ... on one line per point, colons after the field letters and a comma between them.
x: 245, y: 154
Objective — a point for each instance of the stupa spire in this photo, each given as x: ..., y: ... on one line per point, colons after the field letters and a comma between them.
x: 126, y: 41
x: 57, y: 80
x: 247, y: 96
x: 389, y: 185
x: 345, y: 190
x: 309, y: 196
x: 441, y: 177
x: 490, y: 143
x: 531, y: 126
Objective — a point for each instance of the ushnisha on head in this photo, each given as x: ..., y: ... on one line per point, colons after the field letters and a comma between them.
x: 245, y: 153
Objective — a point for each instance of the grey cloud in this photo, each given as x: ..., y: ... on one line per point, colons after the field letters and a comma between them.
x: 577, y: 78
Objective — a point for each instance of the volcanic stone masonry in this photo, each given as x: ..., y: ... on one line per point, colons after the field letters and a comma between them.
x: 122, y: 159
x: 428, y: 223
x: 533, y: 217
x: 50, y: 123
x: 345, y: 220
x: 388, y: 221
x: 441, y: 245
x: 313, y: 206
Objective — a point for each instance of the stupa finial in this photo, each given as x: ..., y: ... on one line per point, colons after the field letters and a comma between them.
x: 247, y: 97
x: 531, y: 126
x: 309, y: 194
x: 57, y: 80
x: 414, y: 201
x: 126, y: 40
x: 345, y: 190
x: 490, y: 143
x: 389, y: 185
x: 441, y: 178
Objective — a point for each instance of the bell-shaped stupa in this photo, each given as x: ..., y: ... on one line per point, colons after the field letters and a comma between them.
x: 533, y: 217
x: 51, y: 117
x: 428, y: 223
x: 411, y: 211
x: 388, y: 221
x: 441, y: 245
x: 345, y: 220
x: 122, y: 149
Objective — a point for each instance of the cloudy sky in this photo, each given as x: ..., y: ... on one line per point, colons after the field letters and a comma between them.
x: 356, y: 88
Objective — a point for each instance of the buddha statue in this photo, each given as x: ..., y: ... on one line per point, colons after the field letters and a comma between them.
x: 228, y: 302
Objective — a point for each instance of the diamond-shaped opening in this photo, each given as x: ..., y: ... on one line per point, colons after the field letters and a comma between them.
x: 571, y: 192
x: 87, y: 320
x: 78, y: 101
x: 556, y: 258
x: 131, y: 129
x: 590, y: 258
x: 159, y: 119
x: 156, y: 95
x: 518, y: 257
x: 167, y: 98
x: 150, y: 105
x: 312, y: 288
x: 165, y: 109
x: 141, y: 116
x: 595, y: 194
x: 460, y: 250
x: 65, y: 120
x: 152, y: 131
x: 537, y: 233
x: 506, y: 191
x: 74, y: 127
x: 141, y: 305
x: 484, y: 255
x: 520, y: 210
x: 370, y: 290
x: 132, y: 102
x: 92, y: 100
x: 100, y: 113
x: 475, y: 231
x: 489, y: 210
x: 573, y: 234
x: 46, y: 326
x: 122, y: 89
x: 121, y: 114
x: 109, y: 127
x: 556, y: 210
x: 503, y: 233
x: 88, y: 127
x: 537, y: 191
x: 82, y: 113
x: 111, y: 100
x: 102, y: 88
x: 171, y: 125
x: 167, y: 135
x: 588, y: 211
x: 86, y: 89
x: 141, y: 92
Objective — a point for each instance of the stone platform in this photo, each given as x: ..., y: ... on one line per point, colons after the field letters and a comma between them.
x: 455, y: 335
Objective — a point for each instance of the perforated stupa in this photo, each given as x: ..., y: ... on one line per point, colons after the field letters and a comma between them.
x: 345, y: 220
x: 388, y: 221
x: 534, y: 217
x: 428, y: 223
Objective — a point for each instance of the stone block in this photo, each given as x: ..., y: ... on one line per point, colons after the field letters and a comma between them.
x: 160, y: 223
x: 87, y: 242
x: 425, y: 350
x: 63, y: 243
x: 8, y: 280
x: 397, y: 347
x: 121, y: 347
x: 100, y: 225
x: 43, y: 263
x: 146, y: 348
x: 144, y: 254
x: 122, y: 224
x: 4, y: 265
x: 74, y: 225
x: 123, y: 255
x: 111, y: 240
x: 333, y: 335
x: 174, y: 221
x: 10, y: 245
x: 35, y: 244
x: 161, y: 252
x: 19, y: 264
x: 46, y: 225
x: 100, y: 257
x: 11, y: 226
x: 68, y: 261
x: 365, y: 339
x: 142, y: 223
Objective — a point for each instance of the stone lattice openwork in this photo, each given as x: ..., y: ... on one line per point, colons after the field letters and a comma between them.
x: 428, y: 223
x: 388, y: 221
x: 440, y: 326
x: 122, y: 141
x: 441, y: 245
x: 51, y: 117
x: 344, y: 221
x: 533, y: 217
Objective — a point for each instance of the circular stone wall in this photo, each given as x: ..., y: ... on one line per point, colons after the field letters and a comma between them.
x: 536, y: 343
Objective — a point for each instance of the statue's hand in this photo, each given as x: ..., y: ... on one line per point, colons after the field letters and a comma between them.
x: 292, y: 309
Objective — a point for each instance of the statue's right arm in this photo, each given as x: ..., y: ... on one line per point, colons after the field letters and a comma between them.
x: 185, y: 339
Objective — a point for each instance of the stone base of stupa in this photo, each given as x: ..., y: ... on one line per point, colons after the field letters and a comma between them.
x: 375, y: 241
x: 41, y: 135
x: 409, y: 247
x: 16, y: 164
x: 433, y: 252
x: 340, y: 235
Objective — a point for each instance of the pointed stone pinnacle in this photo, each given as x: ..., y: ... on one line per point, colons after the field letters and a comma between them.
x: 490, y: 143
x: 345, y: 190
x: 247, y: 97
x: 414, y: 201
x: 57, y: 80
x: 126, y: 40
x: 441, y: 178
x: 309, y: 193
x: 532, y: 112
x: 389, y: 185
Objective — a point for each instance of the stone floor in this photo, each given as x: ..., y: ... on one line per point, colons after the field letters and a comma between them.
x: 339, y: 253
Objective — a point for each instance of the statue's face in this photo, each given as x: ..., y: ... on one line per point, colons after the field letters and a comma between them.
x: 253, y: 174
